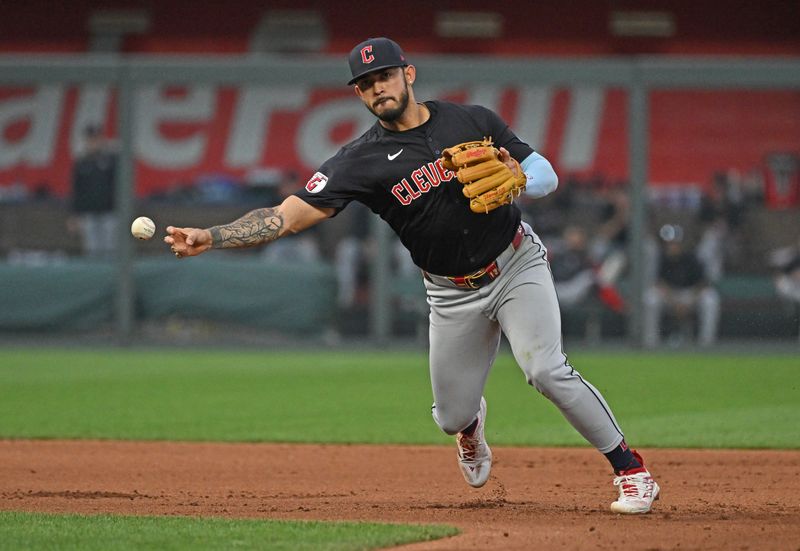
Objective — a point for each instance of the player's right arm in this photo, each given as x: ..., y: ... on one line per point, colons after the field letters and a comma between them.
x: 257, y: 227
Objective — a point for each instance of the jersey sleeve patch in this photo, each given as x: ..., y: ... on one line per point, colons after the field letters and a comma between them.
x: 316, y: 183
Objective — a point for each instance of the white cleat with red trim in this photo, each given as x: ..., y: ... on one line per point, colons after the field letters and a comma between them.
x: 474, y: 455
x: 637, y: 490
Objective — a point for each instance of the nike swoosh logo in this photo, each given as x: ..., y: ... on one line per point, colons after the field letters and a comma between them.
x: 393, y: 157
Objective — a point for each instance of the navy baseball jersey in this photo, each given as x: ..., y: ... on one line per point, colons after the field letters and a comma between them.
x: 399, y: 176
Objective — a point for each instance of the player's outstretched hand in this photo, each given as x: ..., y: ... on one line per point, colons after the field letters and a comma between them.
x: 187, y: 241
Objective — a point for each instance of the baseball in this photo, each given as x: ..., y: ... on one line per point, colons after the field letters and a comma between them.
x: 143, y: 228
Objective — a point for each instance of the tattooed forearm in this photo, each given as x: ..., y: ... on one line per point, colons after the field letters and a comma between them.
x: 254, y: 228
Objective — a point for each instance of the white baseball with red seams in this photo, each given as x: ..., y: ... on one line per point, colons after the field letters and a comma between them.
x: 143, y: 228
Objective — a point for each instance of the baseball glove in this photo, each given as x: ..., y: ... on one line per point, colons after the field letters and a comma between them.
x: 488, y: 182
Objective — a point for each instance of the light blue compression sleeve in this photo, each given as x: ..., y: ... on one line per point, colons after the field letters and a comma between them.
x: 542, y: 179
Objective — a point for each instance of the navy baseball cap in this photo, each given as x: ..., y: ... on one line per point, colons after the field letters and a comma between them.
x: 374, y: 54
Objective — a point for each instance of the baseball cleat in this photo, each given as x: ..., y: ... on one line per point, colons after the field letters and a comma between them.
x: 474, y: 455
x: 637, y: 490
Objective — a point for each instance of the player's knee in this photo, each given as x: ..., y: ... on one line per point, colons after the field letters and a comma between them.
x: 536, y: 375
x: 549, y: 378
x: 542, y: 381
x: 538, y: 366
x: 451, y: 421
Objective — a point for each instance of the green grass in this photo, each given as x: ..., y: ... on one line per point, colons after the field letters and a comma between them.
x: 109, y: 533
x: 682, y: 400
x: 742, y: 401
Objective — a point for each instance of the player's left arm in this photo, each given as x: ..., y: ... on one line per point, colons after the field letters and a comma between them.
x: 541, y: 178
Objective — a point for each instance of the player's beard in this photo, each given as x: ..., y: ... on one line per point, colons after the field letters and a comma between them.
x: 391, y: 115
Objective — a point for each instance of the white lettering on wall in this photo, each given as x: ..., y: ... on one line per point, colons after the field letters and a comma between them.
x: 533, y: 115
x: 313, y: 137
x: 42, y: 112
x: 152, y: 108
x: 583, y: 126
x: 487, y: 95
x: 251, y: 121
x: 31, y: 127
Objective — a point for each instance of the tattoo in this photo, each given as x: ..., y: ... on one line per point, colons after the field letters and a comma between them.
x: 254, y: 228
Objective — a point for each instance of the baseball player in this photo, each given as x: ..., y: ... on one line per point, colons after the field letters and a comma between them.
x: 444, y: 177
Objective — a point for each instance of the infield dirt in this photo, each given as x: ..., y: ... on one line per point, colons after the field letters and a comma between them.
x: 537, y: 498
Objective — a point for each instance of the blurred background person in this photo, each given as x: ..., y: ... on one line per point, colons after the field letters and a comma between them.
x: 681, y: 290
x: 354, y: 253
x: 785, y: 262
x: 92, y: 195
x: 608, y: 249
x: 720, y: 217
x: 350, y: 258
x: 572, y: 269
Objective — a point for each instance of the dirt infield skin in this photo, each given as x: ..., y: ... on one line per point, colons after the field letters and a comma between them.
x: 536, y: 498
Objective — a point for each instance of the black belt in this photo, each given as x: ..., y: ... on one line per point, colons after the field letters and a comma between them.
x: 485, y: 275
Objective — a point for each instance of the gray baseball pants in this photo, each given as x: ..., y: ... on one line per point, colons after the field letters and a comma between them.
x: 465, y: 330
